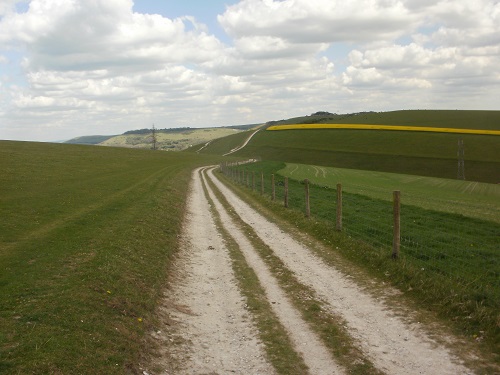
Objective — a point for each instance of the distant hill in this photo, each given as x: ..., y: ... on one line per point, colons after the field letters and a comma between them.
x: 171, y: 139
x: 89, y: 139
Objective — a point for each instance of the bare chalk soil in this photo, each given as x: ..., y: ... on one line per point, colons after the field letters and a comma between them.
x: 208, y: 330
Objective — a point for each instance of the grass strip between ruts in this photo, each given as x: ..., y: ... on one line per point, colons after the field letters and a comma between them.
x: 329, y: 326
x: 278, y: 346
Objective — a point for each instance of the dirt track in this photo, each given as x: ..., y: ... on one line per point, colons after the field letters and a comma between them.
x: 211, y: 331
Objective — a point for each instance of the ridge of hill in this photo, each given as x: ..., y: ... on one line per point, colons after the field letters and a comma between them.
x: 463, y: 119
x: 89, y: 139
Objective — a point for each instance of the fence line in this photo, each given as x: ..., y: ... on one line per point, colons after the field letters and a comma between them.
x: 437, y: 242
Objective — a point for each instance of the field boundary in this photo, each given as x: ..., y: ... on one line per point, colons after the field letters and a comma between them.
x: 382, y: 127
x: 449, y: 253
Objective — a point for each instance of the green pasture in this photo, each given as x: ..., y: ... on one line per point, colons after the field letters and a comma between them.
x: 86, y: 237
x: 221, y: 146
x: 425, y: 154
x: 449, y: 261
x: 468, y: 198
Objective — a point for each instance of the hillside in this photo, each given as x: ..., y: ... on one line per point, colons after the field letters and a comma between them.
x: 426, y: 154
x: 89, y: 139
x: 87, y: 237
x: 172, y: 139
x: 488, y: 120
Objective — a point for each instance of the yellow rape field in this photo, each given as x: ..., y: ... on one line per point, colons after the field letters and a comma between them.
x: 383, y: 127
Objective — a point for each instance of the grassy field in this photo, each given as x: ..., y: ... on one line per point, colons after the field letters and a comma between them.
x: 448, y: 262
x: 417, y: 153
x: 223, y: 145
x: 432, y: 118
x: 87, y: 234
x: 472, y: 199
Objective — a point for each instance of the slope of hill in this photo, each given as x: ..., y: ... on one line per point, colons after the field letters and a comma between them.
x: 488, y: 120
x: 89, y: 139
x: 426, y: 154
x: 172, y: 141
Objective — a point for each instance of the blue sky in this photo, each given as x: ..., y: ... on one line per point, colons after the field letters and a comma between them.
x: 203, y: 10
x: 72, y: 68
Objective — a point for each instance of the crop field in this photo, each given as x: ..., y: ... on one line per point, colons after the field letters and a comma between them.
x: 444, y: 256
x: 432, y: 154
x: 417, y: 153
x: 86, y: 239
x: 428, y: 118
x: 383, y: 127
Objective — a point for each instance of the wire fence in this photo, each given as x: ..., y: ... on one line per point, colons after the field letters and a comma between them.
x: 449, y: 245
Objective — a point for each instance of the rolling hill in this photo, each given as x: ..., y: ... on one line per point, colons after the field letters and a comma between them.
x: 418, y: 153
x: 174, y: 139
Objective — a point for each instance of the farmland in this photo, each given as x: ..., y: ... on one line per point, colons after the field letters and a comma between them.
x: 89, y: 233
x: 417, y: 153
x: 384, y: 127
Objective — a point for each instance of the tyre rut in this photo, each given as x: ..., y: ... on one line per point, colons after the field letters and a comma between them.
x: 315, y: 354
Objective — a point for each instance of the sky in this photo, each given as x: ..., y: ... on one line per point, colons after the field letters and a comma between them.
x: 71, y: 68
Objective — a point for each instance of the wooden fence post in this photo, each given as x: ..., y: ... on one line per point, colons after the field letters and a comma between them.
x: 273, y: 187
x: 396, y: 242
x: 308, y: 206
x: 339, y: 207
x: 286, y: 192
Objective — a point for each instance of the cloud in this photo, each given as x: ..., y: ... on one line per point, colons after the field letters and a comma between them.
x: 96, y: 66
x: 77, y: 35
x: 318, y: 21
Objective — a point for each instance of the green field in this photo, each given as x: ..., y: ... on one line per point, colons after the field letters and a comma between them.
x: 86, y: 238
x: 433, y: 118
x: 424, y: 154
x: 472, y: 199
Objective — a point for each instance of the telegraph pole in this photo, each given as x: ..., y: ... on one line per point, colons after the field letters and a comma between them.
x: 153, y: 136
x: 461, y: 160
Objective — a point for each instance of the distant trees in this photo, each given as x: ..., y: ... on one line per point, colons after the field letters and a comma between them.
x: 322, y: 113
x: 146, y: 131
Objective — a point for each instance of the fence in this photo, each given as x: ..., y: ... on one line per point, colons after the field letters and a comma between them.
x: 445, y: 244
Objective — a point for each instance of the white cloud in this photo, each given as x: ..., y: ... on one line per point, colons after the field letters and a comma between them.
x: 318, y: 21
x: 95, y: 66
